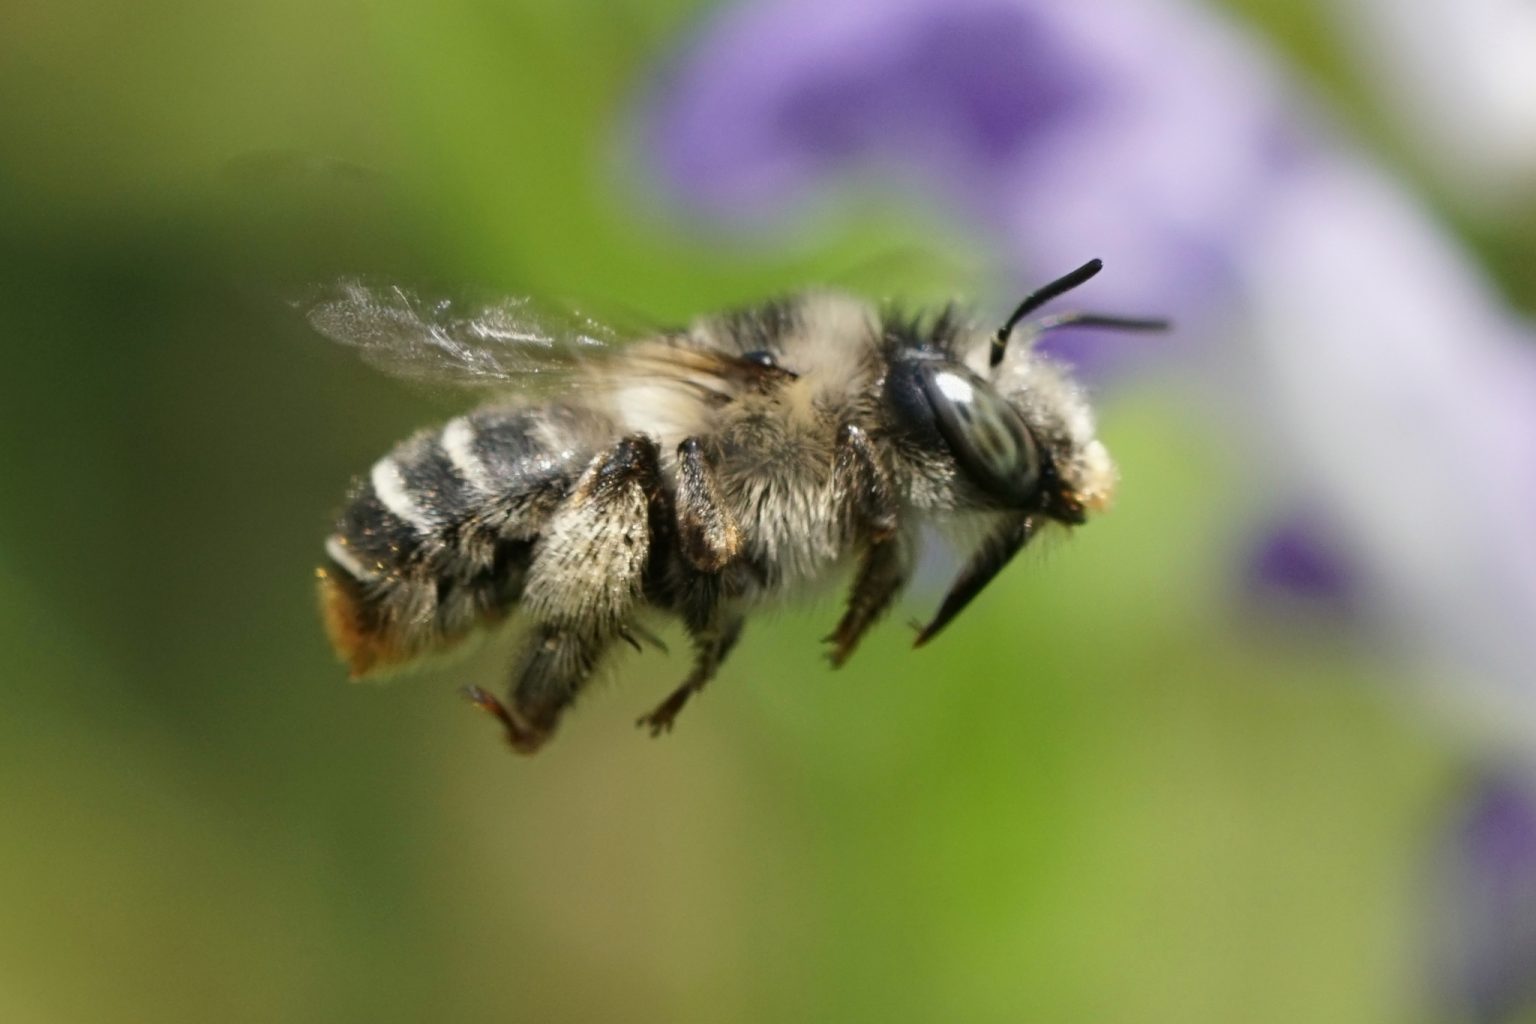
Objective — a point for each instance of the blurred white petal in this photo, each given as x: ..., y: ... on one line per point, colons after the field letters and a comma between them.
x: 1461, y: 79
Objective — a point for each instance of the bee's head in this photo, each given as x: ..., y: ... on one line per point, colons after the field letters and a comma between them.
x: 1027, y: 444
x: 1018, y: 429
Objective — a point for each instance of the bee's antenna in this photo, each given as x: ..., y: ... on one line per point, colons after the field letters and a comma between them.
x: 1115, y: 323
x: 1035, y: 299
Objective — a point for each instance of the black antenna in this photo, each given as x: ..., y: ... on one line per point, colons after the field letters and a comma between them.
x: 1117, y: 323
x: 1035, y: 299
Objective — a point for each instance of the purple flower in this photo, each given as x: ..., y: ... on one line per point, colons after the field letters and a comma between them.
x: 1370, y: 372
x: 1299, y: 558
x: 1055, y: 130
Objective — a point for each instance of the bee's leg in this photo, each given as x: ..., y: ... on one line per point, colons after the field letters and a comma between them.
x: 712, y: 643
x: 708, y: 534
x: 864, y: 484
x: 987, y: 561
x: 883, y: 572
x: 887, y: 562
x: 548, y: 674
x: 582, y: 585
x: 519, y: 733
x: 633, y: 633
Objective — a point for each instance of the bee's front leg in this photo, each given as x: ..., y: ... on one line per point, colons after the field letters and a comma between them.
x: 582, y: 585
x: 988, y: 560
x: 865, y: 490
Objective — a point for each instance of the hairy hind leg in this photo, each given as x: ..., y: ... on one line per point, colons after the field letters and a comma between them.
x: 582, y: 585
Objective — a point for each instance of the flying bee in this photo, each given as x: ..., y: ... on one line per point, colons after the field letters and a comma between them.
x: 695, y: 473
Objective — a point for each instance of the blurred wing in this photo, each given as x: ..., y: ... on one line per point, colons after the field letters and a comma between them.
x: 508, y: 342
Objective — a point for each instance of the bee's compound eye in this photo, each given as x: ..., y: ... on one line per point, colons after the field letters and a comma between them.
x: 986, y: 434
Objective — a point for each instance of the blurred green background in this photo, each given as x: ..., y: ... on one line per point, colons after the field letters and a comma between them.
x: 1113, y: 792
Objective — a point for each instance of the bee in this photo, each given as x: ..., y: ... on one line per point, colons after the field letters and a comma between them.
x: 695, y: 473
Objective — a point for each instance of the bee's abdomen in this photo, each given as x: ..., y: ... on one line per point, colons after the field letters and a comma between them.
x: 436, y: 538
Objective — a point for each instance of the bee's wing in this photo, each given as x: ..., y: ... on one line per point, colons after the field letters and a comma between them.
x: 506, y: 342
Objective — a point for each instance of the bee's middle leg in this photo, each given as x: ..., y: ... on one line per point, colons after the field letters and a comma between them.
x: 710, y: 542
x: 582, y: 585
x: 712, y: 643
x: 708, y: 535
